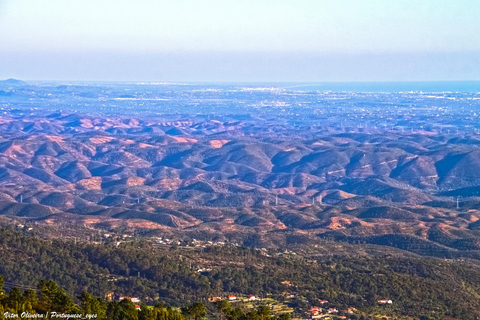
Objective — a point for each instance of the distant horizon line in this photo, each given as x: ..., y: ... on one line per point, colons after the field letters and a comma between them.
x: 179, y: 82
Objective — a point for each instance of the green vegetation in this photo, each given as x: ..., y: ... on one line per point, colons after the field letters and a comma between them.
x: 260, y: 313
x: 50, y: 298
x: 426, y: 287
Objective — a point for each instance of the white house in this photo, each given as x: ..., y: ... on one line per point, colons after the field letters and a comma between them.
x: 133, y: 299
x: 332, y: 310
x: 385, y: 301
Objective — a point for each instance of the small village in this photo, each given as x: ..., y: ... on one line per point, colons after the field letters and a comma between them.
x: 322, y: 310
x: 326, y: 311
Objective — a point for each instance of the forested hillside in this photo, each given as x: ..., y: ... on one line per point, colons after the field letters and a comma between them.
x: 180, y: 276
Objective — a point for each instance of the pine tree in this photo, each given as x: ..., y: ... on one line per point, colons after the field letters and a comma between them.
x: 15, y: 300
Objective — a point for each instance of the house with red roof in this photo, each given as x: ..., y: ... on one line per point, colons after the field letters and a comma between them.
x: 385, y: 301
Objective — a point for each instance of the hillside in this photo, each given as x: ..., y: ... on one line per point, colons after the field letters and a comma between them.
x: 179, y: 275
x: 216, y: 179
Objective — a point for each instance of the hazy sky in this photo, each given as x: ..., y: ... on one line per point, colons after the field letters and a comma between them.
x: 240, y: 40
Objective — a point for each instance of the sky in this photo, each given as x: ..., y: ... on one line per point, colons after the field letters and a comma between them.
x: 240, y: 40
